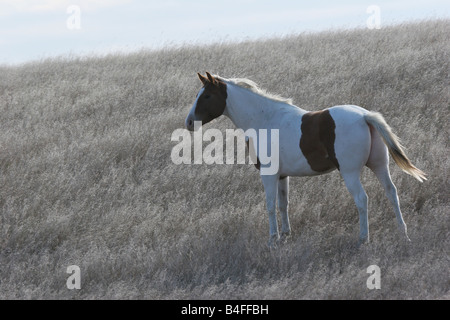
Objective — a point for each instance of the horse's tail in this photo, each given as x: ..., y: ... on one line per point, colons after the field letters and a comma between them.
x: 377, y: 121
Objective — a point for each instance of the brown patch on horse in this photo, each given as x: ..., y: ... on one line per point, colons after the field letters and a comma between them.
x: 317, y: 141
x: 212, y: 102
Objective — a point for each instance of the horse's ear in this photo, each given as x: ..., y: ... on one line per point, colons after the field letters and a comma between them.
x: 210, y: 78
x: 202, y: 78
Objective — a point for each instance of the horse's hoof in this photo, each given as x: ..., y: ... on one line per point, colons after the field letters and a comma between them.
x: 407, y: 239
x: 285, y: 236
x: 273, y: 241
x: 362, y: 241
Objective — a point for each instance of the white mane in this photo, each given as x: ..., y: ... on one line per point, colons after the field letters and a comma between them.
x: 253, y: 87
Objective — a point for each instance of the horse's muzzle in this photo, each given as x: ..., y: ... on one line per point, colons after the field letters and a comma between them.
x: 189, y: 123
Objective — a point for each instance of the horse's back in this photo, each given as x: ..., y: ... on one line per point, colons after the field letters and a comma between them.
x: 347, y: 114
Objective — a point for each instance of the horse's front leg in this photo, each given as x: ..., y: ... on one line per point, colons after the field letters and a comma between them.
x: 270, y: 183
x: 283, y: 205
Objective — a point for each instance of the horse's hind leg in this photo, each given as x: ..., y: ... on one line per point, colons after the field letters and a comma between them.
x: 379, y: 163
x: 352, y: 149
x: 356, y: 189
x: 391, y: 192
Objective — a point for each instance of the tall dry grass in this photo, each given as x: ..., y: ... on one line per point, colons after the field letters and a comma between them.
x: 86, y: 177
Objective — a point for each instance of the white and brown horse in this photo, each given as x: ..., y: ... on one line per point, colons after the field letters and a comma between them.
x: 345, y: 137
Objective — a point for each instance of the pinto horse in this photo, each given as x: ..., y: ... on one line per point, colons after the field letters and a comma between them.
x: 344, y: 137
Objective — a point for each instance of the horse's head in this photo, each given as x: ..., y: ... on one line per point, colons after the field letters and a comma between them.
x: 210, y: 102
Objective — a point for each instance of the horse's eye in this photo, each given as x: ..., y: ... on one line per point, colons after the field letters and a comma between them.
x: 207, y: 96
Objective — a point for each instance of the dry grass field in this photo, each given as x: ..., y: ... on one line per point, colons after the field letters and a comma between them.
x: 86, y: 176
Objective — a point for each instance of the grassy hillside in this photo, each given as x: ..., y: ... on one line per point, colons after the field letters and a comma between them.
x: 86, y: 176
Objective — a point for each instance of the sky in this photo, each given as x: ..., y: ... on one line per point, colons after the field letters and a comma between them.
x: 32, y: 29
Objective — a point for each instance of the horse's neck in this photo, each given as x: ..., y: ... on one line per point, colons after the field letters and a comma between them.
x: 247, y: 109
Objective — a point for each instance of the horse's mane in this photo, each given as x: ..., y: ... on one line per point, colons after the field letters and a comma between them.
x: 253, y: 87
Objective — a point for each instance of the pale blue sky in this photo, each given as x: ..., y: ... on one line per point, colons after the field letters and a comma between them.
x: 33, y: 29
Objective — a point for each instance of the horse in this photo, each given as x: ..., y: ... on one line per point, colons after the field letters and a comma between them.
x: 343, y: 137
